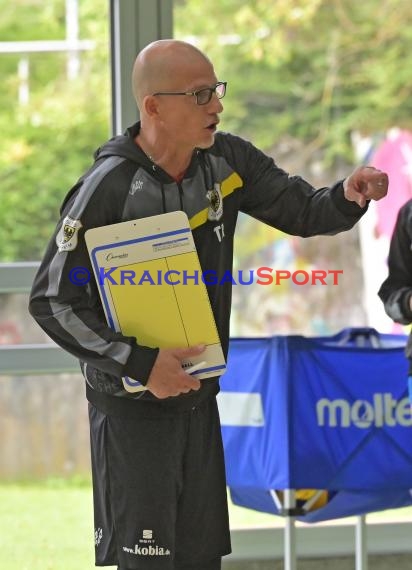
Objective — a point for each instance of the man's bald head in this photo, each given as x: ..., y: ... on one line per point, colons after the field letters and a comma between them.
x: 159, y: 66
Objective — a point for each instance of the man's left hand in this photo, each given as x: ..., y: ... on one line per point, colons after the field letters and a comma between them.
x: 365, y: 183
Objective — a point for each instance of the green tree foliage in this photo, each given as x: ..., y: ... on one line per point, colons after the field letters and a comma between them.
x: 315, y: 70
x: 46, y: 144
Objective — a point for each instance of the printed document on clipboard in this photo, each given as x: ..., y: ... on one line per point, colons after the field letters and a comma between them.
x: 145, y: 271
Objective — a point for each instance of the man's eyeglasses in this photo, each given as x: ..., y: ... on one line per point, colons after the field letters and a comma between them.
x: 203, y: 96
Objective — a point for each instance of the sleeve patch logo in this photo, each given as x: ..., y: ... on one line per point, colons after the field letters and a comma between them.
x: 66, y: 239
x: 215, y: 198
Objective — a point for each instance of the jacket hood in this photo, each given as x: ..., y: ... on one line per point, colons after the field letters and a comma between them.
x: 125, y: 146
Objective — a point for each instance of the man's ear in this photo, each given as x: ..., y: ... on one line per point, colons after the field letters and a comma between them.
x: 151, y: 106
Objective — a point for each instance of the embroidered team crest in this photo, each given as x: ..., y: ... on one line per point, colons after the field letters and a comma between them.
x: 216, y: 203
x: 66, y: 239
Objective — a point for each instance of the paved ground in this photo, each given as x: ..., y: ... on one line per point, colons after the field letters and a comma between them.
x: 381, y: 562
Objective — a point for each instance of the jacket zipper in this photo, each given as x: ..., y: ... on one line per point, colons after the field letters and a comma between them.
x: 181, y: 196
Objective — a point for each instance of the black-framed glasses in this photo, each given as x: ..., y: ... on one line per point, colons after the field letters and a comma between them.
x: 203, y: 96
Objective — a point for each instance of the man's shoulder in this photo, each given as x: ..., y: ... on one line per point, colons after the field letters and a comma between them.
x: 106, y: 179
x: 405, y: 216
x: 228, y: 144
x: 406, y: 209
x: 225, y: 137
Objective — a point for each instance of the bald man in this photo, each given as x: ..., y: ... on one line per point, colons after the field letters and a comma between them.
x: 171, y: 127
x: 157, y: 458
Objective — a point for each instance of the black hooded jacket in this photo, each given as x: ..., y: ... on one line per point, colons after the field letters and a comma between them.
x: 123, y: 184
x: 396, y: 291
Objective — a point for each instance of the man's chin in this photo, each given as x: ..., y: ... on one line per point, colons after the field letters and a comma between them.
x: 206, y: 142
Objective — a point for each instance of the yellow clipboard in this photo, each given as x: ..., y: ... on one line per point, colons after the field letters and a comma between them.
x: 150, y: 282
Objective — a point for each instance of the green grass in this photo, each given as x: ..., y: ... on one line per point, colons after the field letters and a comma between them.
x: 46, y: 527
x: 49, y: 525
